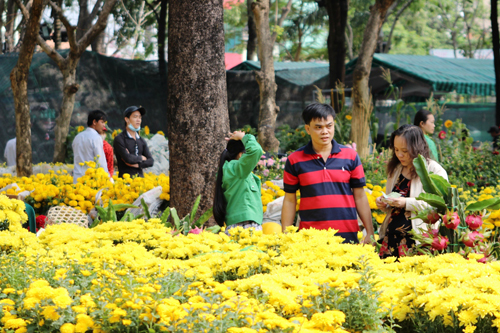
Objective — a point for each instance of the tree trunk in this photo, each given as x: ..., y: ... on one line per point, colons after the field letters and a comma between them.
x: 337, y: 17
x: 19, y: 82
x: 162, y: 34
x: 268, y: 110
x: 9, y: 28
x: 83, y: 19
x: 98, y: 44
x: 362, y: 103
x: 197, y: 100
x: 495, y: 36
x: 57, y: 27
x: 70, y: 87
x: 2, y: 8
x: 252, y: 34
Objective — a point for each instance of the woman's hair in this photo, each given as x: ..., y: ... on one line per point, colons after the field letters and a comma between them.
x: 415, y: 144
x: 422, y: 115
x: 234, y: 147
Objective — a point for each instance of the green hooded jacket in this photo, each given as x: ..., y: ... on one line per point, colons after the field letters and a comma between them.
x: 241, y: 187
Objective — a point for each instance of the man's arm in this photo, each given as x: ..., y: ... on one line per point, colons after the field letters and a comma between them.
x: 364, y: 212
x: 288, y: 210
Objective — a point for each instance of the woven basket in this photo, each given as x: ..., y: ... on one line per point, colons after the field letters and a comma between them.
x: 65, y: 214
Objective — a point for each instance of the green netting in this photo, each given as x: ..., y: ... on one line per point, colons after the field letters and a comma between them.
x: 108, y: 84
x: 477, y: 117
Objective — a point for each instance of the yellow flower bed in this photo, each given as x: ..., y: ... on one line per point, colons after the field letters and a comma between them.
x: 125, y: 275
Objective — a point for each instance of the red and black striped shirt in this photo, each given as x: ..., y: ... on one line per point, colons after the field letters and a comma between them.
x: 326, y: 197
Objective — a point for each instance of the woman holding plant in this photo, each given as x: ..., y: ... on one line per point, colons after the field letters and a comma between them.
x: 237, y: 200
x: 407, y: 142
x: 425, y: 120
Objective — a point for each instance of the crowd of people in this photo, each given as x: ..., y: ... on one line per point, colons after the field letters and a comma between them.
x: 331, y: 181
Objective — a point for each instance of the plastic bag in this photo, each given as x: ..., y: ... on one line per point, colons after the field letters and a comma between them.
x: 152, y: 200
x: 158, y: 147
x: 273, y: 212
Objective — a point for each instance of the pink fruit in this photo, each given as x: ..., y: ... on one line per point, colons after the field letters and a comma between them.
x: 432, y: 217
x: 451, y: 220
x: 474, y: 221
x: 472, y: 238
x: 440, y: 243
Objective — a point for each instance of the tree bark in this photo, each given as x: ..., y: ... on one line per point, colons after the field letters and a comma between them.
x: 2, y: 8
x: 57, y: 27
x: 252, y: 34
x: 495, y: 35
x: 68, y: 65
x: 9, y: 27
x: 362, y: 103
x: 98, y: 44
x: 162, y: 35
x: 197, y: 114
x: 268, y: 110
x: 337, y: 17
x: 70, y: 88
x: 19, y: 82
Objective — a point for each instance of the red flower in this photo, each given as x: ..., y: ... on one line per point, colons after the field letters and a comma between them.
x: 442, y: 135
x: 495, y: 152
x: 40, y: 221
x: 470, y: 184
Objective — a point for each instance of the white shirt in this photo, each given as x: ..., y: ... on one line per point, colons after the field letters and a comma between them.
x: 87, y: 147
x: 10, y: 152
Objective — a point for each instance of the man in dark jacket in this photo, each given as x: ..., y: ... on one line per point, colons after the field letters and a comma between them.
x: 132, y: 153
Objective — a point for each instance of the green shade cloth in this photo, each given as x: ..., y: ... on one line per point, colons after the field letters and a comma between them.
x: 465, y: 76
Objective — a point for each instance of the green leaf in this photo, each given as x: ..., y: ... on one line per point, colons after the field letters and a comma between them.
x: 109, y: 216
x: 421, y: 169
x: 485, y: 204
x: 204, y: 217
x: 441, y: 184
x: 433, y: 200
x: 177, y: 221
x: 119, y: 207
x: 195, y: 209
x: 145, y: 208
x: 103, y: 213
x: 214, y: 229
x: 165, y: 215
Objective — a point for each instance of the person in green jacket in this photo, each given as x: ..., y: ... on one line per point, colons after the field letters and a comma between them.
x: 237, y: 200
x: 425, y: 120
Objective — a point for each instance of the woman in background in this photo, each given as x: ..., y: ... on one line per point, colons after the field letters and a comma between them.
x: 425, y: 120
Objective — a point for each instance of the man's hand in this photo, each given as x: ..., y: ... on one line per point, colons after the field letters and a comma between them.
x: 288, y: 210
x: 144, y: 158
x: 364, y: 212
x: 131, y: 165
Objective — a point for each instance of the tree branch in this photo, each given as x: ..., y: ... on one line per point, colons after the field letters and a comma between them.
x: 58, y: 59
x: 128, y: 13
x: 284, y: 14
x: 398, y: 14
x: 95, y: 10
x: 153, y: 10
x: 69, y: 28
x: 97, y: 28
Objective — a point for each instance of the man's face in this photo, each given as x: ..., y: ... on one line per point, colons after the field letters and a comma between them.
x: 321, y: 131
x: 135, y: 119
x: 99, y: 126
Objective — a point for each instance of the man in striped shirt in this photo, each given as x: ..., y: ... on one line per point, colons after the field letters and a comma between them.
x: 330, y: 178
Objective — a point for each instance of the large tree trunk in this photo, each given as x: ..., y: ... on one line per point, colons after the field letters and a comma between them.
x: 19, y: 81
x: 162, y: 34
x: 197, y: 100
x: 362, y: 107
x: 9, y: 28
x: 496, y: 55
x: 2, y: 8
x: 70, y: 87
x: 337, y: 17
x: 252, y: 33
x: 268, y: 110
x: 98, y: 44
